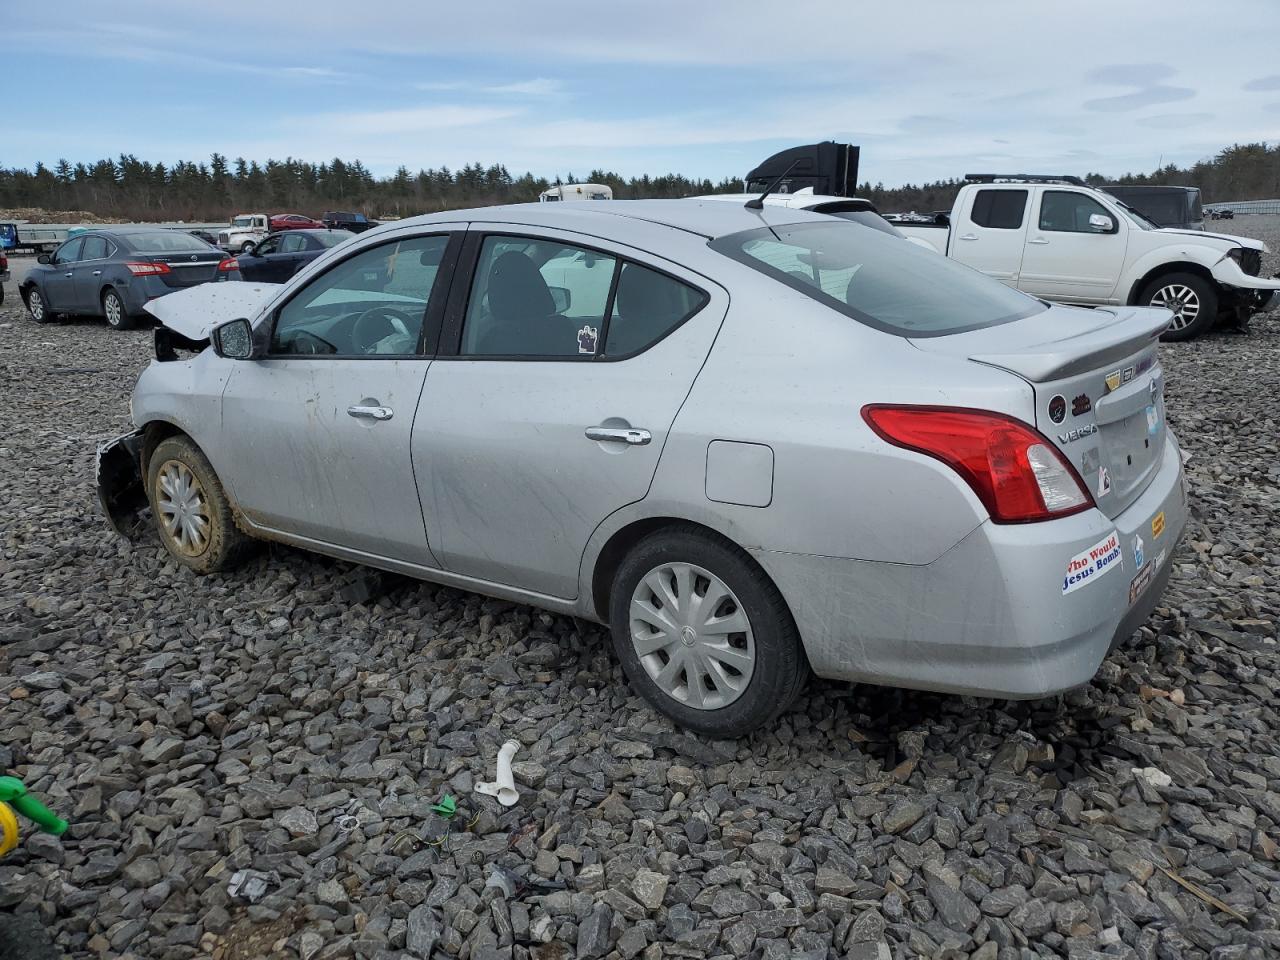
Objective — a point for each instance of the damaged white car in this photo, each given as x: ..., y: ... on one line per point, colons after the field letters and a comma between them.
x: 754, y: 442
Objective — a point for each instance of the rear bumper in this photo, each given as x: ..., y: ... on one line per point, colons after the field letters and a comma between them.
x: 990, y: 617
x: 118, y: 472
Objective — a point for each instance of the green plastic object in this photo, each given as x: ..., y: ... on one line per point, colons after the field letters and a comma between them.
x: 14, y: 793
x: 447, y: 806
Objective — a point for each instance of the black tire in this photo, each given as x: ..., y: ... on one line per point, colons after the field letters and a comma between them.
x: 780, y: 670
x: 224, y: 545
x: 1170, y: 288
x: 247, y: 246
x: 36, y: 306
x: 114, y: 310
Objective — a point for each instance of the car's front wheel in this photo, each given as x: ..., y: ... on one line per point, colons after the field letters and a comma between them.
x: 192, y: 513
x: 36, y: 306
x: 703, y: 634
x: 113, y: 309
x: 1192, y: 299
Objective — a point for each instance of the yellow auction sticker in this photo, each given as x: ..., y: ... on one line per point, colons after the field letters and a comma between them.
x: 1157, y: 524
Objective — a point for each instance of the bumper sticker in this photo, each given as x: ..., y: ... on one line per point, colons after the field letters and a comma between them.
x: 1137, y: 552
x: 1153, y: 419
x: 1104, y: 482
x: 1141, y: 582
x: 1092, y: 563
x: 1157, y: 525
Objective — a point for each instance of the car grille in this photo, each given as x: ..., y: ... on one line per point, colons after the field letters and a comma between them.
x: 1251, y: 261
x: 223, y: 237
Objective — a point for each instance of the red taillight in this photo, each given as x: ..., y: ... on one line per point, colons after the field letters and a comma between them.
x: 1016, y: 472
x: 147, y: 269
x: 228, y: 264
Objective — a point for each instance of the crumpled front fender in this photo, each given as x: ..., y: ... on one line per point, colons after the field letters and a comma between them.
x: 1228, y: 273
x: 120, y: 488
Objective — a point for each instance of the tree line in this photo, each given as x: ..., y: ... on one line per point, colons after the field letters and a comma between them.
x: 133, y: 189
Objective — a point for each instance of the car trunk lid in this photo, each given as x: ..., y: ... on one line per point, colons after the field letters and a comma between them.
x: 188, y: 269
x: 1099, y: 388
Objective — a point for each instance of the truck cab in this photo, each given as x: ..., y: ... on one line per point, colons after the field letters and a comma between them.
x: 244, y: 232
x: 1059, y: 239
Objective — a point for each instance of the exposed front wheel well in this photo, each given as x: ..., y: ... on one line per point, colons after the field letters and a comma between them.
x: 1135, y: 292
x: 152, y: 434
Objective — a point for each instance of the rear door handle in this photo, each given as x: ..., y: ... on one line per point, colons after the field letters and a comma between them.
x: 97, y: 273
x: 69, y: 273
x: 369, y: 412
x: 1038, y: 240
x: 969, y: 236
x: 628, y: 435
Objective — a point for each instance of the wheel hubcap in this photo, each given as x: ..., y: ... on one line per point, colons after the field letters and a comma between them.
x: 692, y: 636
x: 1180, y: 299
x: 184, y: 509
x: 35, y: 305
x: 113, y: 311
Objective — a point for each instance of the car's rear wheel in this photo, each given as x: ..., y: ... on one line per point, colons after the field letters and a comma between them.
x: 113, y: 309
x: 36, y: 306
x: 703, y: 634
x: 195, y: 520
x: 1192, y: 299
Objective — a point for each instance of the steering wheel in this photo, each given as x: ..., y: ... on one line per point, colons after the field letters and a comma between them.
x: 375, y: 324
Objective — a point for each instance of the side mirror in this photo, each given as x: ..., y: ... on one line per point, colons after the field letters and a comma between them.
x: 233, y: 339
x: 44, y: 258
x: 1101, y: 223
x: 561, y: 297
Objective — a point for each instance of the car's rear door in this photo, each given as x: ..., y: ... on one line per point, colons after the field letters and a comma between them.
x: 316, y: 435
x: 564, y: 361
x: 88, y: 273
x: 991, y: 230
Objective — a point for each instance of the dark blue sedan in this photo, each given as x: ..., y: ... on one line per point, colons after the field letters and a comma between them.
x: 280, y: 255
x: 113, y: 273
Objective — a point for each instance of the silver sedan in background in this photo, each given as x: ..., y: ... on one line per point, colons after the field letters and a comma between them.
x: 755, y: 443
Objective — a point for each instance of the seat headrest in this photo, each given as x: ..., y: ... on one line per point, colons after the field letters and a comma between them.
x: 517, y: 291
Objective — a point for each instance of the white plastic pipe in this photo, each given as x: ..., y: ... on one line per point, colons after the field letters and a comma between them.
x: 503, y: 786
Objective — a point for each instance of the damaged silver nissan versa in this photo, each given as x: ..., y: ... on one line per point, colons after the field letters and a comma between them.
x: 754, y: 442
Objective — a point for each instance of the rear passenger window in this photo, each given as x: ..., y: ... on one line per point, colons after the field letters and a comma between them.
x: 999, y: 209
x: 647, y: 306
x: 537, y: 298
x: 95, y: 248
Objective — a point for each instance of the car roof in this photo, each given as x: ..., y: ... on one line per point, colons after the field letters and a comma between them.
x: 706, y: 218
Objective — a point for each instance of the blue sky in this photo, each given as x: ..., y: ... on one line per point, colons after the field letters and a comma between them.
x: 927, y: 87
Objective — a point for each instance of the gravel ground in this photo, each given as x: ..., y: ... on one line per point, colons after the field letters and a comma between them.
x: 300, y: 717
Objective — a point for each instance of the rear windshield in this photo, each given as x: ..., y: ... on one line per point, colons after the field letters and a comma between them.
x: 166, y: 241
x: 867, y: 219
x: 331, y: 238
x: 897, y: 287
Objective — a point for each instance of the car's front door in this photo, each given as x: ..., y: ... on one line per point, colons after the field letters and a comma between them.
x: 59, y: 281
x: 316, y: 435
x: 570, y: 361
x: 262, y: 260
x: 1075, y: 248
x: 286, y: 260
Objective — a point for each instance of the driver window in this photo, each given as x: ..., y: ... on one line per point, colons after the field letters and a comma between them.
x: 372, y: 304
x: 69, y: 252
x: 268, y: 245
x: 1064, y: 211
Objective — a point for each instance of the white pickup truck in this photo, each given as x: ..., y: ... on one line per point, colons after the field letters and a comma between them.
x: 1059, y: 239
x: 245, y: 232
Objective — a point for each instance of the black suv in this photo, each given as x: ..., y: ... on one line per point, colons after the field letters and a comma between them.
x: 346, y: 220
x: 1168, y: 206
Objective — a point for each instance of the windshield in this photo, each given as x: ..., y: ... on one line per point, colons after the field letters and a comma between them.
x: 896, y: 287
x: 332, y: 238
x: 1138, y: 219
x: 242, y: 222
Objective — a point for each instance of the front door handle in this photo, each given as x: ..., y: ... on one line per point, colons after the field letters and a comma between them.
x: 370, y: 412
x: 69, y: 273
x: 1038, y: 240
x: 969, y: 236
x: 628, y: 435
x: 97, y: 273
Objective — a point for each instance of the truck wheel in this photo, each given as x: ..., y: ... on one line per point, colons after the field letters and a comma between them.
x: 703, y: 634
x: 1193, y: 300
x: 247, y: 246
x: 191, y: 511
x: 114, y: 310
x: 36, y: 306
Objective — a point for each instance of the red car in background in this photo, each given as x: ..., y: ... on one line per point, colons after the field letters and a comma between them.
x: 294, y: 221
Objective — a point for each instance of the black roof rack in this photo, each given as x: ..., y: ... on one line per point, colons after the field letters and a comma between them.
x: 1024, y: 178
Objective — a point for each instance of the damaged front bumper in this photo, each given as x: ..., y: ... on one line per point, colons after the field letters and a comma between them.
x: 120, y: 488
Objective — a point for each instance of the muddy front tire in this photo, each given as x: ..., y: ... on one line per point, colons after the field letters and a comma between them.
x: 192, y: 514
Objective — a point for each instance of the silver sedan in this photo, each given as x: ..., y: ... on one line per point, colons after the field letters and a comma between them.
x: 755, y: 443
